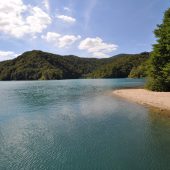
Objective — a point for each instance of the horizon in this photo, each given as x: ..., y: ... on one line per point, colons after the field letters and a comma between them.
x: 74, y: 28
x: 85, y: 57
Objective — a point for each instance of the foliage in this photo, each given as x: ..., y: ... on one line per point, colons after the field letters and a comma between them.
x: 159, y: 72
x: 120, y: 67
x: 38, y: 65
x: 140, y: 71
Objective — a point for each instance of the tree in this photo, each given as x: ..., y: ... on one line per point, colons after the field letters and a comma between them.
x: 159, y: 67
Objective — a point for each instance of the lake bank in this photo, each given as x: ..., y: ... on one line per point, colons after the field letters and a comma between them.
x: 159, y: 100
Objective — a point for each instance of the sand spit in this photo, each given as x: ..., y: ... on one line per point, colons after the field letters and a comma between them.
x: 156, y: 99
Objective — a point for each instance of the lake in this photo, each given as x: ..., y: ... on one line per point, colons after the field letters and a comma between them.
x: 79, y: 125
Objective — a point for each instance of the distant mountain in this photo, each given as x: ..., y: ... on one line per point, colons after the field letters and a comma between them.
x: 39, y: 65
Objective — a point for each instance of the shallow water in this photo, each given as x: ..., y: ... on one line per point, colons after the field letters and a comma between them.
x: 79, y: 125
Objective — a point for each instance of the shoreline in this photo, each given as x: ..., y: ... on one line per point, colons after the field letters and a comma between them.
x: 159, y: 100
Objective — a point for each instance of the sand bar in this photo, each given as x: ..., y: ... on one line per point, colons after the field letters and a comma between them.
x: 156, y: 99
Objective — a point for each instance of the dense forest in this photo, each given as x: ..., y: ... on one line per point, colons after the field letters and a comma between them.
x: 39, y: 65
x: 122, y: 66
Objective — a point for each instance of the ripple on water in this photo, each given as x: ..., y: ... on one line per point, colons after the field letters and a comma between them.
x: 77, y: 124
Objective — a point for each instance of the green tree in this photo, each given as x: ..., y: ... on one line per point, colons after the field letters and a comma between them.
x: 159, y: 69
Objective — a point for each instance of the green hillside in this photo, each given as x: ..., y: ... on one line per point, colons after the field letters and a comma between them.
x: 122, y: 66
x: 38, y: 65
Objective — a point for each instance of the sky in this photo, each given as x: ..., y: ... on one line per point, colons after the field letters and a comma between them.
x: 86, y: 28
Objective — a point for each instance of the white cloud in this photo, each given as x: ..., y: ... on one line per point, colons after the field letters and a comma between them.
x: 97, y: 47
x: 66, y: 18
x: 38, y: 21
x: 18, y: 19
x: 67, y: 9
x: 100, y: 55
x: 46, y: 5
x: 51, y: 37
x: 68, y: 40
x: 60, y: 40
x: 7, y: 55
x: 87, y: 15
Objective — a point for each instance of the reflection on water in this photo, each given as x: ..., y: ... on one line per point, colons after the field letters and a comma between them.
x: 77, y: 124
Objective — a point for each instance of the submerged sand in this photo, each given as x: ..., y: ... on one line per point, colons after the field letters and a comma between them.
x: 156, y: 99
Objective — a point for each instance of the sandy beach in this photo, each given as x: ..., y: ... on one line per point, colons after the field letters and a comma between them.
x: 160, y: 100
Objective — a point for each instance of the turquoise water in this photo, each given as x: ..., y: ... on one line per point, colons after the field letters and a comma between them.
x: 79, y: 125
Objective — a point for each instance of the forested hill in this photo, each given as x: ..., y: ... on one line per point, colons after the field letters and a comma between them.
x: 121, y: 66
x: 39, y: 65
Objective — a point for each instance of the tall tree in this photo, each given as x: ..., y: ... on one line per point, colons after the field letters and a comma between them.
x: 159, y: 71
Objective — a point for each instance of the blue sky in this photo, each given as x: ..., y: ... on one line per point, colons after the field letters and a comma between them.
x: 89, y: 28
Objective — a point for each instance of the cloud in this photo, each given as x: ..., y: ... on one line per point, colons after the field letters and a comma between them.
x: 66, y: 18
x: 38, y: 21
x: 51, y: 37
x: 60, y: 40
x: 18, y: 19
x: 100, y: 55
x: 88, y: 11
x: 46, y: 5
x: 68, y: 40
x: 67, y: 9
x: 7, y: 55
x: 97, y: 47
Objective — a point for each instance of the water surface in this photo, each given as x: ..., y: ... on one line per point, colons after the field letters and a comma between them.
x: 79, y: 125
